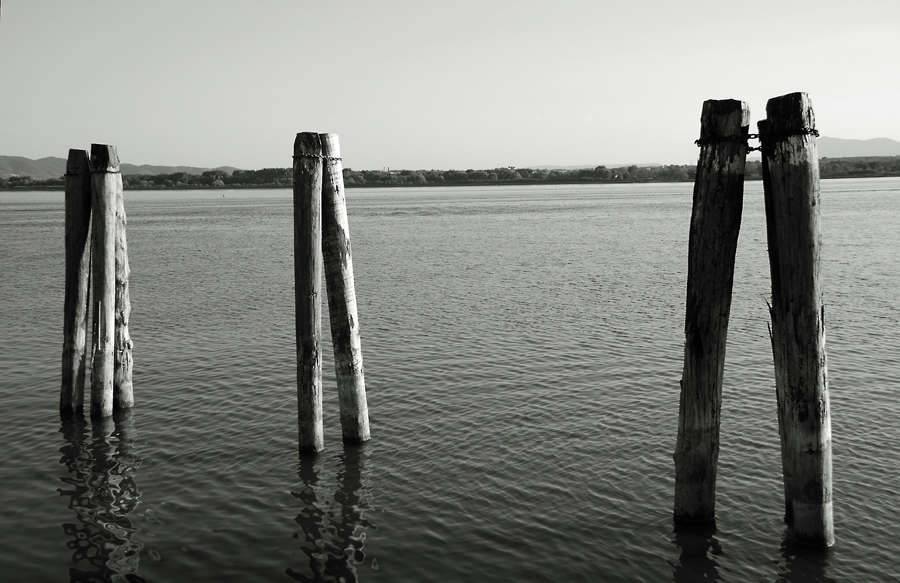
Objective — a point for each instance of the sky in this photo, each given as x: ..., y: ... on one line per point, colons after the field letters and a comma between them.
x: 421, y: 84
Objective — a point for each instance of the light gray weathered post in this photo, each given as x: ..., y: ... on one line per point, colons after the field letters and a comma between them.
x: 78, y: 280
x: 105, y: 179
x: 715, y: 224
x: 791, y: 184
x: 308, y: 288
x: 348, y: 362
x: 123, y: 391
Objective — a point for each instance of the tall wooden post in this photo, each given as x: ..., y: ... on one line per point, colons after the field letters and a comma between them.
x: 123, y: 393
x: 104, y: 180
x: 348, y: 363
x: 715, y: 224
x: 791, y: 185
x: 78, y: 280
x: 308, y: 287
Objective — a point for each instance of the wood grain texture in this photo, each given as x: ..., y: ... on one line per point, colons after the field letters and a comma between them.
x: 104, y: 181
x: 308, y: 288
x: 791, y: 186
x: 123, y: 390
x: 78, y: 279
x: 338, y: 262
x: 715, y: 224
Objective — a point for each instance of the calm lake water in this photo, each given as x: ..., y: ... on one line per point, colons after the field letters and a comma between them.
x: 523, y: 347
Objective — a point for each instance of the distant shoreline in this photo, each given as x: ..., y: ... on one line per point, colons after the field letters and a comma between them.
x: 61, y: 188
x: 268, y: 178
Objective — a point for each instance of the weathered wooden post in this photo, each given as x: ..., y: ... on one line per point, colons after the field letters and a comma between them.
x: 123, y: 392
x: 715, y: 224
x: 348, y: 363
x: 105, y: 179
x: 308, y: 287
x: 791, y: 185
x: 78, y: 280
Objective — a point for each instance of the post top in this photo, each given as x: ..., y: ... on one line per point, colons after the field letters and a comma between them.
x: 724, y: 118
x: 308, y: 144
x: 791, y: 112
x: 78, y: 163
x: 331, y: 147
x: 104, y: 158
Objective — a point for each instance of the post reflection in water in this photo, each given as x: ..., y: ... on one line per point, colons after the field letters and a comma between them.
x: 802, y: 564
x: 697, y: 542
x: 101, y: 463
x: 332, y: 527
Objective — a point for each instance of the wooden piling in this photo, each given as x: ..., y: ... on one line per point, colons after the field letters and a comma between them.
x: 78, y: 279
x: 105, y: 179
x: 791, y: 185
x: 338, y: 262
x: 715, y: 224
x: 308, y: 287
x: 123, y: 391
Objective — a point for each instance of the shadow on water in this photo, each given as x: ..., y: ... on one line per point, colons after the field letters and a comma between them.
x: 102, y: 462
x: 698, y: 546
x: 333, y: 526
x: 803, y: 564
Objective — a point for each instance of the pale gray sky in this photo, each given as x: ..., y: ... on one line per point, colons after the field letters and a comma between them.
x: 420, y: 84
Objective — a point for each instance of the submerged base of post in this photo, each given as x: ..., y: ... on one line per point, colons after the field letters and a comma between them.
x: 310, y: 436
x: 813, y: 524
x: 695, y: 492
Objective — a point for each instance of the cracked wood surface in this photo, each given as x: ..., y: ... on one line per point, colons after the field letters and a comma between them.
x: 338, y: 264
x: 308, y: 288
x: 104, y: 180
x: 78, y: 279
x: 714, y: 228
x: 123, y: 390
x: 792, y: 200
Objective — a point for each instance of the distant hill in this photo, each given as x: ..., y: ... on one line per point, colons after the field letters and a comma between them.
x: 147, y: 169
x: 55, y: 167
x: 46, y: 168
x: 42, y: 169
x: 839, y: 148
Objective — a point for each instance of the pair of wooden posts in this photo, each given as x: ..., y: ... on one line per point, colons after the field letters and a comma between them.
x: 797, y: 331
x: 322, y: 235
x: 95, y: 210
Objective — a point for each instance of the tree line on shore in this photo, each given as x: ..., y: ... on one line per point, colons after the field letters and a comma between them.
x: 864, y: 167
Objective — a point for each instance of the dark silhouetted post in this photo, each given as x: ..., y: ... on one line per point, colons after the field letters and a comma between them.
x: 78, y: 280
x: 123, y: 392
x: 348, y: 362
x: 308, y: 287
x: 791, y: 184
x: 715, y: 224
x: 105, y: 179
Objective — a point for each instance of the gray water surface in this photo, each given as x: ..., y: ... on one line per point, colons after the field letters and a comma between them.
x: 522, y: 347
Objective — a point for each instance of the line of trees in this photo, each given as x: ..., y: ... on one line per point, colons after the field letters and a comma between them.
x: 871, y: 166
x: 265, y: 178
x: 864, y: 167
x: 510, y: 175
